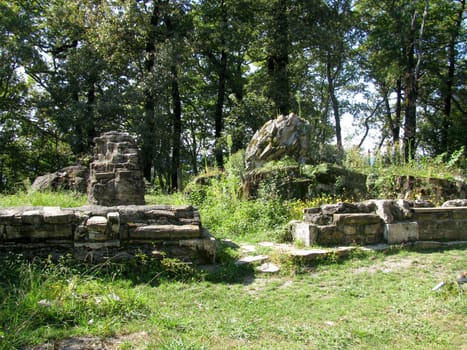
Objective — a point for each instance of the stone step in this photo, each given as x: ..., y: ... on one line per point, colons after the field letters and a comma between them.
x: 252, y: 259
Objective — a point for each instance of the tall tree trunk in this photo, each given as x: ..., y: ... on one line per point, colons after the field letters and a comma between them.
x: 335, y: 104
x: 410, y: 103
x: 447, y: 99
x: 218, y: 113
x: 176, y: 132
x: 278, y: 58
x: 90, y: 115
x: 396, y: 130
x: 149, y: 125
x: 412, y: 74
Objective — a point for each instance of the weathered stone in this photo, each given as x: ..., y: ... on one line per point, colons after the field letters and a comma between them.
x: 39, y: 232
x: 308, y: 255
x: 116, y: 176
x: 350, y: 230
x: 268, y: 267
x: 391, y: 211
x: 344, y: 251
x: 114, y: 221
x: 280, y: 137
x: 356, y: 219
x: 328, y: 235
x: 346, y: 208
x: 9, y: 216
x: 72, y: 178
x: 455, y: 203
x: 95, y: 233
x: 56, y: 215
x: 97, y: 223
x: 172, y: 232
x: 401, y: 232
x: 32, y: 217
x: 305, y: 233
x: 251, y: 259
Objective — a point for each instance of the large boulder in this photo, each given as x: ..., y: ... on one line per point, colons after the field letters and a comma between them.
x: 71, y: 178
x: 287, y: 135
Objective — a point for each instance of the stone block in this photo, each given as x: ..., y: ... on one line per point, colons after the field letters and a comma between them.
x: 459, y: 213
x: 113, y: 219
x: 97, y: 236
x: 9, y: 216
x: 305, y: 233
x: 57, y: 216
x: 32, y: 217
x: 308, y: 255
x: 159, y: 232
x: 356, y: 219
x: 374, y: 229
x: 350, y: 230
x: 97, y: 223
x: 401, y: 232
x: 39, y: 232
x: 184, y: 212
x: 329, y: 235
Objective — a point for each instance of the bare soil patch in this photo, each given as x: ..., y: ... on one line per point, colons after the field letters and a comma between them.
x: 93, y: 343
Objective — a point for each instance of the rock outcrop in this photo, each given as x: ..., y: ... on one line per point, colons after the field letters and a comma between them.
x: 116, y: 176
x: 71, y: 178
x: 284, y: 136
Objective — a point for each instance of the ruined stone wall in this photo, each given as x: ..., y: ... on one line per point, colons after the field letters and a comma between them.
x: 380, y: 221
x: 95, y: 232
x: 116, y: 176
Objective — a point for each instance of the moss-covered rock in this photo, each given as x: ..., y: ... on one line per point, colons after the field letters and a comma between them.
x: 303, y: 182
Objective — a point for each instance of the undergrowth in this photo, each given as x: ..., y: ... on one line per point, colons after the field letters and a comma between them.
x: 390, y: 161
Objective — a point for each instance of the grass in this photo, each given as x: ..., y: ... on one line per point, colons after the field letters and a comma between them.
x: 375, y: 301
x: 449, y: 166
x: 47, y: 198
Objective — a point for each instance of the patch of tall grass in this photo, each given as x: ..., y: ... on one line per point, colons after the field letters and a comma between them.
x: 390, y: 161
x: 62, y: 199
x: 43, y: 299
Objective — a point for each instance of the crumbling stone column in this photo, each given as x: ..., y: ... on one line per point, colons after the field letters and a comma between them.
x: 116, y: 176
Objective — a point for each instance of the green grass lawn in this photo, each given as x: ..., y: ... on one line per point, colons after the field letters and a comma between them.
x: 375, y: 301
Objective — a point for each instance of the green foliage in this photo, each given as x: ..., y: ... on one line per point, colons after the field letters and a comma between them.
x: 227, y: 215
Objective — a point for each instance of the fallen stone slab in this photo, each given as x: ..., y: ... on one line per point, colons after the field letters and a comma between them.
x: 268, y: 267
x: 308, y: 255
x: 252, y: 259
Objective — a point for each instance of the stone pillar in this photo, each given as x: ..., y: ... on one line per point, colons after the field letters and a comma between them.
x: 116, y: 176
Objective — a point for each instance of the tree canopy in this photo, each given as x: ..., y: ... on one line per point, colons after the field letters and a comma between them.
x: 193, y: 80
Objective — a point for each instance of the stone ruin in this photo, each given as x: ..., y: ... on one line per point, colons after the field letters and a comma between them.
x: 382, y: 221
x: 115, y: 225
x: 116, y: 176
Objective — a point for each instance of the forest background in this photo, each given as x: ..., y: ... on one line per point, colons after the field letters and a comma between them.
x: 193, y: 80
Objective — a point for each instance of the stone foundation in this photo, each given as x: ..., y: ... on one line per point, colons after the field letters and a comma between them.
x: 96, y: 232
x: 380, y: 221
